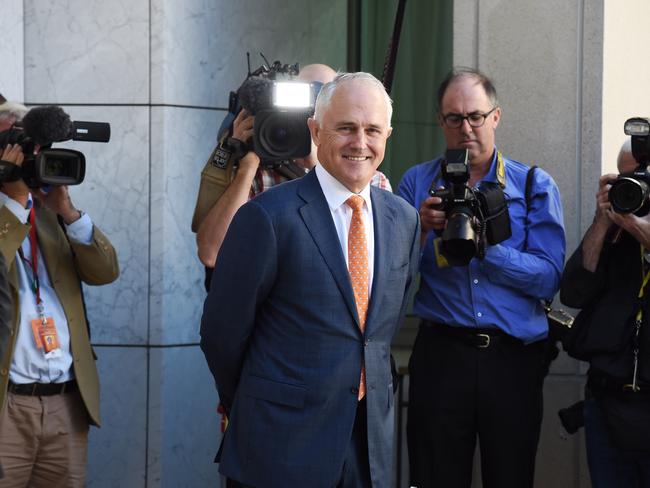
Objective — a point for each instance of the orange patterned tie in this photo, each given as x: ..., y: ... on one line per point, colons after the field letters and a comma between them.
x: 358, y: 268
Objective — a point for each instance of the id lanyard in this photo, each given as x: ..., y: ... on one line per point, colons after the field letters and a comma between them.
x: 33, y: 246
x: 637, y: 327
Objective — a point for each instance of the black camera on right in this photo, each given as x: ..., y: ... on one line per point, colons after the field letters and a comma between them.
x: 630, y: 192
x: 474, y: 215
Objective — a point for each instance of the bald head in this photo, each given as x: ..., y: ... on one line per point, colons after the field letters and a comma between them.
x: 317, y: 72
x: 626, y: 162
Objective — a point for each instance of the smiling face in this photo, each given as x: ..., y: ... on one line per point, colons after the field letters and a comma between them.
x: 352, y: 133
x: 465, y: 96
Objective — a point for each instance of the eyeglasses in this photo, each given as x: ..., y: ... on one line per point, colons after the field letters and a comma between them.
x: 475, y: 119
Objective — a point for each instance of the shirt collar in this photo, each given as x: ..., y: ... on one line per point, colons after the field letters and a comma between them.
x: 335, y: 192
x: 4, y: 197
x: 492, y: 172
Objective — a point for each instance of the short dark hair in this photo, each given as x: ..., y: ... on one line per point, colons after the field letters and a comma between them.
x: 461, y: 72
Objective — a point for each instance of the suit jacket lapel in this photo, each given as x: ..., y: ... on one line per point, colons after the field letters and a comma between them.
x: 383, y: 218
x: 318, y: 219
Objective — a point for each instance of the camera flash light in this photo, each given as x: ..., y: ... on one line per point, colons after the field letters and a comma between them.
x: 292, y: 95
x: 637, y: 127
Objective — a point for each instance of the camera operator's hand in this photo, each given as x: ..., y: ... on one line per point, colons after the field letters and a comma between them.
x: 242, y: 127
x: 430, y: 217
x: 638, y: 227
x: 16, y: 190
x: 593, y: 241
x: 58, y: 200
x: 604, y: 210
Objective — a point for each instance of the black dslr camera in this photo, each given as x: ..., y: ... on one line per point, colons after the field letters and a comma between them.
x: 630, y: 191
x: 473, y: 214
x: 281, y: 105
x: 43, y: 126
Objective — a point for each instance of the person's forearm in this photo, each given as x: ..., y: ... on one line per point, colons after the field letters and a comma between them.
x: 215, y: 224
x: 592, y: 245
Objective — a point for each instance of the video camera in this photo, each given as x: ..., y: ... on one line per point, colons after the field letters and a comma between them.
x: 630, y: 191
x: 44, y: 126
x: 281, y: 105
x: 473, y: 214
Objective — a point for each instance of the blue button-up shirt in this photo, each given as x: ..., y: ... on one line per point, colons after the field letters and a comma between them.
x: 505, y: 288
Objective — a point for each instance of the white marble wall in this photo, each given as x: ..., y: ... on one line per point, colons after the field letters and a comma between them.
x: 12, y: 50
x: 87, y: 51
x: 159, y: 71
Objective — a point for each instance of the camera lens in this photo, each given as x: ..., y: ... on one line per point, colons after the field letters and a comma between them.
x: 279, y: 137
x: 628, y: 194
x: 282, y: 135
x: 459, y: 239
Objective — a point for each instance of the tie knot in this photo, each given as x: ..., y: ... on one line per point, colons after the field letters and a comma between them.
x: 355, y: 202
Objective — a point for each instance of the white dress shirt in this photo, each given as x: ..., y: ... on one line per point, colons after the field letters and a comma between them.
x: 336, y: 194
x: 29, y: 364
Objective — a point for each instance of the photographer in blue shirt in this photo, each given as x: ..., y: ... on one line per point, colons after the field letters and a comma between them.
x: 477, y: 364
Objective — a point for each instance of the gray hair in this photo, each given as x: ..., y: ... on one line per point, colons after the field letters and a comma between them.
x: 325, y: 96
x: 12, y: 110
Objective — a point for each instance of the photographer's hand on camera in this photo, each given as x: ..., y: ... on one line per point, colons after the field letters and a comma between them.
x: 604, y: 211
x: 431, y: 217
x: 16, y: 190
x: 592, y: 243
x: 58, y: 200
x: 242, y: 127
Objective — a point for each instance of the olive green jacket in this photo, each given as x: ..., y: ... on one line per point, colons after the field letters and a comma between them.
x: 67, y: 263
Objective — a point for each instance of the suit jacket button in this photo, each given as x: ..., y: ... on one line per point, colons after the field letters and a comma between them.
x: 3, y: 372
x: 354, y: 391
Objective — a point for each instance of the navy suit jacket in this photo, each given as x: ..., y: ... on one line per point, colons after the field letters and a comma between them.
x: 281, y: 336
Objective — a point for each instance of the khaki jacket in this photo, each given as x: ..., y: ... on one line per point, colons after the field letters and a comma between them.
x: 214, y: 181
x: 67, y: 263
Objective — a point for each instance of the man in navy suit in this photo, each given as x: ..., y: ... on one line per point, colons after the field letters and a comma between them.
x: 300, y: 357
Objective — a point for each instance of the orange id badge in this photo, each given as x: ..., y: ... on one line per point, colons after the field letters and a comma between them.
x: 45, y: 334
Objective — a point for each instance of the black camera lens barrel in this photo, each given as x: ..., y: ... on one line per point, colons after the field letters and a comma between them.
x: 629, y: 194
x: 281, y: 134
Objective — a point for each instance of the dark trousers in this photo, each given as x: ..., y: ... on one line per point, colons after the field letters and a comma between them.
x: 460, y: 392
x: 609, y: 467
x: 356, y: 467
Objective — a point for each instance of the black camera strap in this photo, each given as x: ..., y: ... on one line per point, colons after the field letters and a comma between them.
x: 528, y: 197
